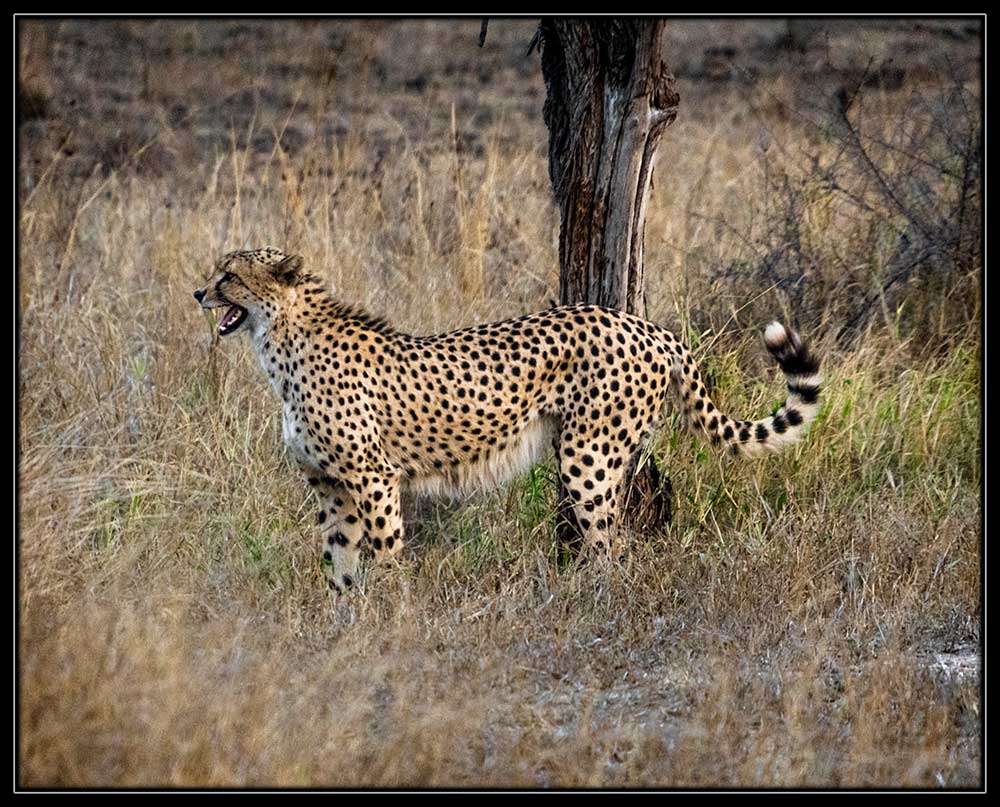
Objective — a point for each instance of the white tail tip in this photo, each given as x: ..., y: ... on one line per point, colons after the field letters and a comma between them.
x: 775, y: 335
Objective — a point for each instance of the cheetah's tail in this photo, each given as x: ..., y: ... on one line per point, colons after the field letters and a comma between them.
x: 772, y: 433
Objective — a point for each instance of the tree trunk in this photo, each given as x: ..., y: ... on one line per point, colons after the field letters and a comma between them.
x: 609, y: 97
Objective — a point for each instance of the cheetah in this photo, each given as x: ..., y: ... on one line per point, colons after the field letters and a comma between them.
x: 367, y: 410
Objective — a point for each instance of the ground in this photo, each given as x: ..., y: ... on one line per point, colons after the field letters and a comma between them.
x: 809, y: 620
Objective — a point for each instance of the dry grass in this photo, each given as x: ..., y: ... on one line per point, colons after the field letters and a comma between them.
x: 174, y: 629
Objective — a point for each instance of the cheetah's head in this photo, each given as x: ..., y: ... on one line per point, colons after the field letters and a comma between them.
x: 251, y: 286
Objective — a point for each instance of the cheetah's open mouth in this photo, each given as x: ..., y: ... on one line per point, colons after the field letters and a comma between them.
x: 231, y: 321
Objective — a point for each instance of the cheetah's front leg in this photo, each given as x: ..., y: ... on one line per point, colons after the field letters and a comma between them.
x: 360, y: 514
x: 380, y: 514
x: 340, y: 530
x: 352, y: 513
x: 342, y: 540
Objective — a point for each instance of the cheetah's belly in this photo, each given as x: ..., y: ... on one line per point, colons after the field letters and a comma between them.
x: 496, y: 466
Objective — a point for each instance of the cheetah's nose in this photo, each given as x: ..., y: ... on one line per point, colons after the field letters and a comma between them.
x: 199, y: 294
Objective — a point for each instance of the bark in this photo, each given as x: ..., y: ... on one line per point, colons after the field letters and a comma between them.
x: 609, y: 98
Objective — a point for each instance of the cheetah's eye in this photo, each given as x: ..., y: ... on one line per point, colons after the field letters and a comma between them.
x: 227, y: 276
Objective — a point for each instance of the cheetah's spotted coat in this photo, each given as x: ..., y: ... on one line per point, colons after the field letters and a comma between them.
x: 367, y: 409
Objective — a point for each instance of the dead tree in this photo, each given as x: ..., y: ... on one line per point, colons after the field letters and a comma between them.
x: 609, y: 98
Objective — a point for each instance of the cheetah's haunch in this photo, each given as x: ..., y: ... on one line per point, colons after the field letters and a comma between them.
x: 367, y: 409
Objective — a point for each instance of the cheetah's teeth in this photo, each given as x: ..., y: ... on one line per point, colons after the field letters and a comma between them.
x: 232, y: 319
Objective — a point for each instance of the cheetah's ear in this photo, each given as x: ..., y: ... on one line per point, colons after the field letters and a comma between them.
x: 289, y: 270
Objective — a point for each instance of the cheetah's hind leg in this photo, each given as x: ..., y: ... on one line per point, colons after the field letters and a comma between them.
x: 592, y: 479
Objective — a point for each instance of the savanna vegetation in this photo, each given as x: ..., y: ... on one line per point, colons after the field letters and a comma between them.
x: 809, y: 620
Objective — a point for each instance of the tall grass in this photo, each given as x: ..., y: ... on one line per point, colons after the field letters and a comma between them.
x: 781, y: 631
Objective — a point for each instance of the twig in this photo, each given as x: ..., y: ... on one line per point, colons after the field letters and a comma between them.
x: 535, y: 40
